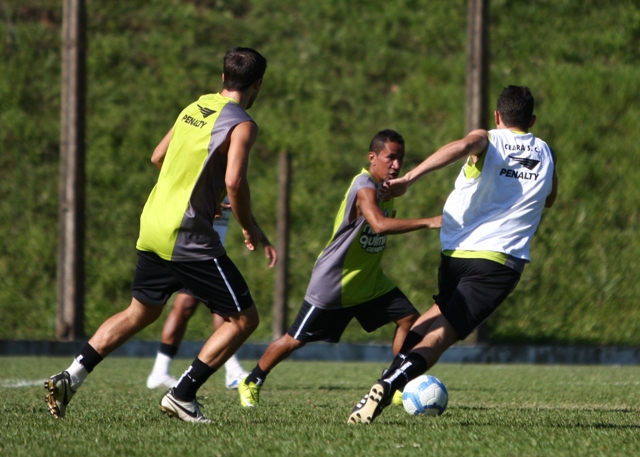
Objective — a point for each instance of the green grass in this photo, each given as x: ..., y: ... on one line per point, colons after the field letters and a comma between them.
x: 497, y: 410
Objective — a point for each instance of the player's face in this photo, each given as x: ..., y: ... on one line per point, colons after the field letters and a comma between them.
x: 386, y: 165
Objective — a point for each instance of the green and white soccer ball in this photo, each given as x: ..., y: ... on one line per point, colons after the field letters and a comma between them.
x: 425, y: 395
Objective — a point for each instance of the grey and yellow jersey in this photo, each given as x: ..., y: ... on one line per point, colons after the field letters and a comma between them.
x: 177, y: 220
x: 348, y: 271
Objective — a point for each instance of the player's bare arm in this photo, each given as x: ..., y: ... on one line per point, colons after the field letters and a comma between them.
x: 474, y: 144
x: 367, y: 206
x: 241, y: 141
x: 159, y: 153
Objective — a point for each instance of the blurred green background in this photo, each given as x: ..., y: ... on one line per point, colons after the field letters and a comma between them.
x: 338, y: 72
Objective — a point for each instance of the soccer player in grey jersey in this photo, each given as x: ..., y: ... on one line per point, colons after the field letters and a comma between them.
x: 347, y: 280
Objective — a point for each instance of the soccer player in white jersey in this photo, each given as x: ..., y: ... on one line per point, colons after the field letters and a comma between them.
x: 489, y: 219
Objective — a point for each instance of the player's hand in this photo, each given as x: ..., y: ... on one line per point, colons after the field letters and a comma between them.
x: 252, y: 237
x: 271, y: 254
x: 382, y: 193
x: 396, y: 187
x: 434, y: 222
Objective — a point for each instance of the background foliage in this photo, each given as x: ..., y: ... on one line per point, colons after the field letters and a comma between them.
x: 339, y: 71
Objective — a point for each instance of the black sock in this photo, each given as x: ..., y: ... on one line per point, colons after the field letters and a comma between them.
x: 257, y: 376
x: 88, y: 357
x: 414, y: 365
x: 397, y: 363
x: 196, y: 375
x: 410, y: 341
x: 168, y: 349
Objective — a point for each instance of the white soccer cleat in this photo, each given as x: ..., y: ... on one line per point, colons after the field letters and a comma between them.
x: 188, y: 411
x: 161, y: 380
x: 59, y: 393
x: 232, y: 380
x: 371, y: 404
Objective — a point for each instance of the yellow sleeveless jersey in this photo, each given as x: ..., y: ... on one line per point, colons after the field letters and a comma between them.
x: 177, y: 220
x: 348, y: 271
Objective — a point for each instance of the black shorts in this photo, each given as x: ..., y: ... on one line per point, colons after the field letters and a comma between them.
x: 317, y: 324
x: 217, y: 283
x: 470, y: 290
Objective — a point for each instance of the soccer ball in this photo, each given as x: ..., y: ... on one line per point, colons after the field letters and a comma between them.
x: 425, y: 395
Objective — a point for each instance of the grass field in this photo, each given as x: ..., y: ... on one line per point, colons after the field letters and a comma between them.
x: 494, y: 410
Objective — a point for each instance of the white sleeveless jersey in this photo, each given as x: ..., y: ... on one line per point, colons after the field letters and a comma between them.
x: 497, y: 202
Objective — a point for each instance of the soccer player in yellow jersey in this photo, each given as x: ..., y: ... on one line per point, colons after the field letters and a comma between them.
x: 347, y: 281
x: 207, y: 154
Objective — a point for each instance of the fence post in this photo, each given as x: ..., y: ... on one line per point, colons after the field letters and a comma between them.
x: 477, y: 65
x: 281, y: 290
x: 70, y: 308
x: 476, y: 115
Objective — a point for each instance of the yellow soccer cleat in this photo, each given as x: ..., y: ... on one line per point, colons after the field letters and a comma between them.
x: 249, y: 394
x: 397, y: 398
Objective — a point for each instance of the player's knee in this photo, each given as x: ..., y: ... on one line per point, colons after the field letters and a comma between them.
x: 249, y: 320
x: 141, y: 315
x: 187, y: 313
x: 185, y: 305
x: 407, y: 322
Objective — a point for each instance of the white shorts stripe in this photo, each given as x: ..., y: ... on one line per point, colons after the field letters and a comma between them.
x: 235, y: 299
x: 308, y: 315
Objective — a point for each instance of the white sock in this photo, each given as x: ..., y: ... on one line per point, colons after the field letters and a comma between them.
x: 162, y: 364
x: 78, y: 374
x: 233, y: 365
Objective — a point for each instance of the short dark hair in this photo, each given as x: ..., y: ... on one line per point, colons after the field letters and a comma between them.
x: 383, y: 137
x: 515, y: 106
x: 242, y: 68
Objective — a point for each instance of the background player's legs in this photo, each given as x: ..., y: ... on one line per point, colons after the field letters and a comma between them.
x: 184, y: 307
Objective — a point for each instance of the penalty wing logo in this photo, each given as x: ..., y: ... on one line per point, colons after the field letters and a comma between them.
x: 527, y: 163
x: 205, y: 111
